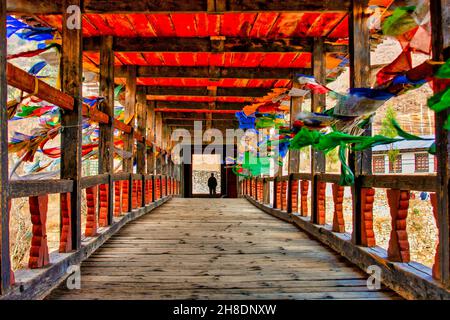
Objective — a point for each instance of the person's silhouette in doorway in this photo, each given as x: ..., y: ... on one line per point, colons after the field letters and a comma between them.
x: 212, y: 185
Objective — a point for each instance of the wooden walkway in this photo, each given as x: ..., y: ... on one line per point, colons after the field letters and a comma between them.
x: 216, y: 249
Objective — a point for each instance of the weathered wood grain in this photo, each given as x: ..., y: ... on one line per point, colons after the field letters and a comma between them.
x: 220, y: 248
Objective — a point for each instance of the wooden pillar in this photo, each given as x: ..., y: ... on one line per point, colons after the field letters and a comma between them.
x: 440, y: 15
x: 318, y: 104
x: 130, y: 103
x: 5, y: 262
x: 106, y: 141
x: 141, y: 117
x: 151, y: 137
x: 296, y: 107
x: 359, y: 48
x: 71, y: 121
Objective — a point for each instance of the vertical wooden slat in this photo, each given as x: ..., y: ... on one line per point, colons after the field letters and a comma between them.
x: 359, y: 49
x: 71, y: 141
x: 367, y: 231
x: 39, y: 256
x: 106, y: 141
x: 304, y: 188
x: 91, y: 214
x: 129, y: 112
x: 338, y: 216
x: 5, y: 262
x: 65, y: 243
x: 441, y: 52
x: 318, y: 104
x: 398, y: 201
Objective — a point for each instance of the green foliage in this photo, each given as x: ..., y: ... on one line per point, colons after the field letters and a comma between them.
x: 388, y: 130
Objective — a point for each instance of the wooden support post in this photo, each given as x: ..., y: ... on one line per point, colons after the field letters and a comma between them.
x: 65, y: 242
x: 91, y: 215
x: 338, y: 216
x: 398, y: 250
x: 71, y: 121
x: 359, y: 48
x: 151, y: 136
x: 440, y: 17
x: 39, y: 256
x: 141, y: 117
x: 5, y: 260
x: 106, y: 141
x: 318, y: 104
x: 129, y: 113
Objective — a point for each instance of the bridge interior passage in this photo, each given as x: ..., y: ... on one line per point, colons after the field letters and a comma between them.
x: 182, y: 62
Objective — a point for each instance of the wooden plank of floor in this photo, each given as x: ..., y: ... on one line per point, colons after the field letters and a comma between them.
x: 216, y: 249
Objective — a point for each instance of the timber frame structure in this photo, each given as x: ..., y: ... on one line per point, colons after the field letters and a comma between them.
x: 165, y: 96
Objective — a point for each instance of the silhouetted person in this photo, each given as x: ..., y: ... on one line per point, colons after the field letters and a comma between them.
x: 212, y: 184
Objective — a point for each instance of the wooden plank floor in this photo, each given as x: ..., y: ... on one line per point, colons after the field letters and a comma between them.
x: 216, y: 249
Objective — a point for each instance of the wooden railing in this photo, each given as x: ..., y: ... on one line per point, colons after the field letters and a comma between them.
x: 112, y: 199
x: 141, y: 198
x: 289, y: 202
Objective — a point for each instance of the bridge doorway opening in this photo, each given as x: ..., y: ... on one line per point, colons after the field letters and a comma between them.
x: 202, y: 168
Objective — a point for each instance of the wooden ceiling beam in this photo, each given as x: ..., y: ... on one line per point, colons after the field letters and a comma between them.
x: 194, y: 116
x: 143, y: 45
x: 203, y: 91
x: 198, y: 105
x: 205, y: 72
x: 150, y: 6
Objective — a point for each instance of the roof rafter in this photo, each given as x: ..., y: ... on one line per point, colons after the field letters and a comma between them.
x: 203, y: 91
x: 217, y: 73
x: 143, y: 45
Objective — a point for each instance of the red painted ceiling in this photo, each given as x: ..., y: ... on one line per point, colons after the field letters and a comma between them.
x: 250, y: 24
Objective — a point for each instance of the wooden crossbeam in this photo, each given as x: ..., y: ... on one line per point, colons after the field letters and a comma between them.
x: 127, y: 44
x: 149, y: 6
x: 205, y: 72
x: 203, y: 91
x: 198, y: 105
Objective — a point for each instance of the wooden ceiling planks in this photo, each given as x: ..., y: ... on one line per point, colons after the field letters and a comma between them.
x: 205, y: 82
x: 270, y: 25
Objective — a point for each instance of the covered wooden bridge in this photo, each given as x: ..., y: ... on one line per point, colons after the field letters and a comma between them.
x: 145, y: 236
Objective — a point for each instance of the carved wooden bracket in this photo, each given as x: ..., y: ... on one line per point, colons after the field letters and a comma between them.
x: 338, y: 216
x: 91, y: 216
x: 367, y: 233
x: 398, y: 250
x: 65, y: 242
x: 304, y: 187
x: 39, y: 256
